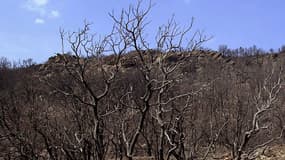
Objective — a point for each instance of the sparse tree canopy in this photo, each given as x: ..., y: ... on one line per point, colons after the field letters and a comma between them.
x: 171, y: 101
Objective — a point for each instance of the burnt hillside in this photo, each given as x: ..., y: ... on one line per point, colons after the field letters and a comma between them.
x: 143, y: 104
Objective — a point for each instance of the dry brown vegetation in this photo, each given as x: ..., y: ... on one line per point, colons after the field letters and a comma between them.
x: 176, y: 101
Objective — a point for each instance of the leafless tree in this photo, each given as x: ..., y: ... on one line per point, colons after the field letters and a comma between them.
x: 267, y: 96
x: 120, y: 96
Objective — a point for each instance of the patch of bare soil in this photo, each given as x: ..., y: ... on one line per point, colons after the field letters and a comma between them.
x: 273, y: 153
x: 276, y: 152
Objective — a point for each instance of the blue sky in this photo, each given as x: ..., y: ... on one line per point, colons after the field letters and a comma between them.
x: 30, y: 28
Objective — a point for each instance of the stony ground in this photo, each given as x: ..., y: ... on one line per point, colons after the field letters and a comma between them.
x: 273, y: 153
x: 270, y: 153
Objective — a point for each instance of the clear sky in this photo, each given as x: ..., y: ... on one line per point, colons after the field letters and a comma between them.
x: 30, y: 28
